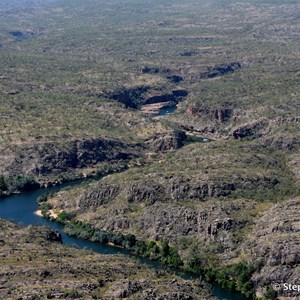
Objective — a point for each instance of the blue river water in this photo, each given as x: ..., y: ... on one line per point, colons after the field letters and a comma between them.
x: 20, y: 209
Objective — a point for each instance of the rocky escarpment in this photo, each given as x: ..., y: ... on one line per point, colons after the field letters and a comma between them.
x: 280, y: 132
x: 253, y: 129
x: 274, y: 244
x: 204, y: 199
x: 195, y: 174
x: 173, y: 189
x: 170, y: 141
x: 128, y: 96
x: 136, y: 97
x: 213, y: 114
x: 128, y: 288
x: 34, y: 268
x: 42, y: 159
x: 220, y: 70
x: 75, y: 157
x: 209, y: 223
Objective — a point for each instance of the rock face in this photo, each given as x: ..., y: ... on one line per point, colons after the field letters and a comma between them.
x: 143, y: 95
x: 254, y: 129
x: 212, y: 72
x: 163, y: 221
x: 54, y: 236
x: 157, y: 200
x: 219, y: 114
x: 171, y: 141
x: 69, y: 273
x: 271, y: 131
x: 127, y: 288
x: 155, y: 70
x: 275, y: 245
x: 175, y: 78
x: 128, y: 96
x: 55, y: 158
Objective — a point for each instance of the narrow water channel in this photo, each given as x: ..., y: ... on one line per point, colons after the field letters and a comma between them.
x: 20, y: 209
x: 167, y: 111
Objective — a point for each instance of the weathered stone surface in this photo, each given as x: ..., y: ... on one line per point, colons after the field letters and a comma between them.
x: 264, y: 128
x: 142, y: 95
x: 220, y: 70
x: 55, y: 158
x: 275, y: 243
x: 219, y: 114
x: 54, y: 236
x: 127, y: 288
x: 172, y: 141
x: 128, y: 96
x: 32, y: 268
x: 175, y: 78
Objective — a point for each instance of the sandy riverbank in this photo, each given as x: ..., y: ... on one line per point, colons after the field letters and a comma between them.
x: 52, y: 214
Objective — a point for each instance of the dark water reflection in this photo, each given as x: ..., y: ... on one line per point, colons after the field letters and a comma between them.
x: 20, y: 209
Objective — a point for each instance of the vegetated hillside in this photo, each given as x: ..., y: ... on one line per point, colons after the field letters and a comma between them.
x: 33, y: 267
x: 81, y: 84
x: 74, y: 71
x: 207, y: 200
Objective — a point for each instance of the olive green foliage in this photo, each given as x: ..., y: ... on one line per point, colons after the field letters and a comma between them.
x: 270, y: 294
x: 44, y: 197
x: 236, y: 277
x: 164, y: 252
x: 66, y: 177
x: 17, y: 184
x: 64, y: 217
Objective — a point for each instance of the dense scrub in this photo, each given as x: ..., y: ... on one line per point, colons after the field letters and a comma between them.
x: 35, y: 267
x: 76, y: 90
x: 162, y: 252
x: 17, y: 184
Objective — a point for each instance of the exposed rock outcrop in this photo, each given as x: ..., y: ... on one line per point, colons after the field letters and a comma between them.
x: 55, y: 158
x: 212, y: 72
x: 175, y: 96
x: 254, y: 129
x: 275, y: 242
x: 172, y: 141
x: 264, y: 128
x: 54, y: 236
x: 129, y: 96
x: 219, y: 114
x: 135, y: 97
x: 155, y: 70
x: 175, y: 78
x: 70, y: 273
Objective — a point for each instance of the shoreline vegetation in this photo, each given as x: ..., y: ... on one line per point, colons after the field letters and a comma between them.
x: 191, y: 109
x: 236, y: 277
x: 51, y: 270
x: 19, y: 184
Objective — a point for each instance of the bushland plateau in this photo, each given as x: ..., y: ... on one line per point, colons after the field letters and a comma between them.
x: 212, y: 187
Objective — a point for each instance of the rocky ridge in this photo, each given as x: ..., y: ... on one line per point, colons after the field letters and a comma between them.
x: 32, y: 267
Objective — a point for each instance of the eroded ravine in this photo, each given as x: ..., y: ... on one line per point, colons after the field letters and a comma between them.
x: 21, y: 209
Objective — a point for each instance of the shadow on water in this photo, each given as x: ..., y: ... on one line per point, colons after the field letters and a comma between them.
x: 166, y: 111
x: 21, y: 209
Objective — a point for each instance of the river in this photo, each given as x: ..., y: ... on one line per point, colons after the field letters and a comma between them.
x: 20, y: 209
